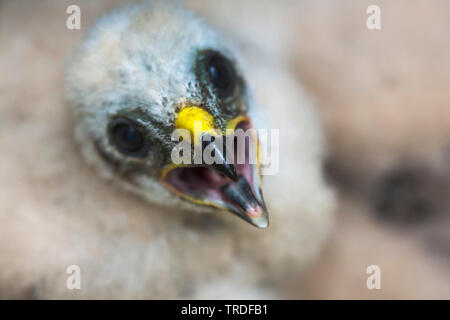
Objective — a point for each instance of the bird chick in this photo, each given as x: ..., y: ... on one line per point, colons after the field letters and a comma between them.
x: 142, y: 74
x: 146, y: 70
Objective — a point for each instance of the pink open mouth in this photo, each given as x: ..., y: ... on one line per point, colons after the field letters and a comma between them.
x: 206, y: 185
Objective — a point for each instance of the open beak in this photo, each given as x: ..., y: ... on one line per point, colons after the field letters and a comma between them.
x: 247, y: 203
x: 231, y: 186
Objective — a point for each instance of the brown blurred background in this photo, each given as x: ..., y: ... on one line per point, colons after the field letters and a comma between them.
x: 386, y: 109
x: 382, y: 96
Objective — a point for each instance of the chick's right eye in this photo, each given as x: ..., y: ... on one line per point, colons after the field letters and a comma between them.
x: 127, y: 137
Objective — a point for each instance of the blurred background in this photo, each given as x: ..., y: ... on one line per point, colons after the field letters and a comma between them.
x: 382, y: 95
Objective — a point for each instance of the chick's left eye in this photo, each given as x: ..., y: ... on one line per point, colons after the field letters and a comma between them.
x: 222, y: 75
x: 127, y: 137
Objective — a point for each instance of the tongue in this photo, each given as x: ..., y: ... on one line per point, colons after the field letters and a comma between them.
x: 240, y: 193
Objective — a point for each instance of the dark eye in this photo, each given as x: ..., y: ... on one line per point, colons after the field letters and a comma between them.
x: 222, y: 74
x: 127, y: 137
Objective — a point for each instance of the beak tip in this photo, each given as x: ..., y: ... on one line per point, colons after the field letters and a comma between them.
x: 264, y: 225
x: 261, y: 223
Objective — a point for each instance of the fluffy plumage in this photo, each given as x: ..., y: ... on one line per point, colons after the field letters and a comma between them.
x: 141, y: 57
x: 129, y: 248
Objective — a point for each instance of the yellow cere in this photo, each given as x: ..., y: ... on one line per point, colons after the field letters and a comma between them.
x: 197, y: 121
